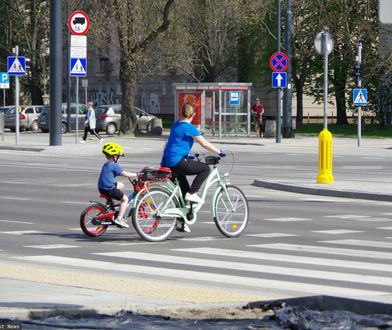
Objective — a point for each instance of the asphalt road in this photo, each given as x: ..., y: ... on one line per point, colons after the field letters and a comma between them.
x: 294, y: 245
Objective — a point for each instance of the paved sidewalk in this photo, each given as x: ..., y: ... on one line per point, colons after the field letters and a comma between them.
x: 360, y: 183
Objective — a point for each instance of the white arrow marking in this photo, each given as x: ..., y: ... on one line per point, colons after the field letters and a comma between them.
x: 279, y: 79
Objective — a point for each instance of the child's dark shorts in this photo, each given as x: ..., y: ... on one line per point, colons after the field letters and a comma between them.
x: 114, y: 193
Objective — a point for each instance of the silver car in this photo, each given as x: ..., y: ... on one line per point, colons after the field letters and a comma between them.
x: 28, y: 117
x: 109, y: 118
x: 43, y: 120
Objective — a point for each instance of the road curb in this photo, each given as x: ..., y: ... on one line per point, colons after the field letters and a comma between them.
x: 322, y: 192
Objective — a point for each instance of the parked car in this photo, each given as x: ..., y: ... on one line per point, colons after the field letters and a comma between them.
x: 6, y: 108
x: 109, y: 117
x: 28, y: 117
x: 43, y: 120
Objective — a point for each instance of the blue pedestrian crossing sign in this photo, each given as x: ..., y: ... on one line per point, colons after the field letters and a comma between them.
x: 78, y: 67
x: 279, y: 79
x: 16, y: 65
x: 360, y: 97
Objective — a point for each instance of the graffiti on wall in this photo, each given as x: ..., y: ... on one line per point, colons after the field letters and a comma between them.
x: 151, y: 103
x: 99, y: 96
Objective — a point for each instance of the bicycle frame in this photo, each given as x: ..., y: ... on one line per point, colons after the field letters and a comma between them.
x: 187, y: 212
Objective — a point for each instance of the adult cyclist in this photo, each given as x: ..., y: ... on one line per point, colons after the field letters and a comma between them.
x: 175, y: 156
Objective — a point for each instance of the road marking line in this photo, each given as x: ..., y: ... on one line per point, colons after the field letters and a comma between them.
x: 199, y: 276
x: 72, y: 202
x: 270, y: 235
x: 337, y: 231
x: 52, y: 246
x: 325, y: 250
x: 287, y: 219
x: 255, y: 268
x: 358, y: 242
x: 16, y: 221
x: 347, y: 216
x: 289, y: 258
x: 15, y: 198
x: 22, y: 232
x: 385, y: 228
x: 14, y: 182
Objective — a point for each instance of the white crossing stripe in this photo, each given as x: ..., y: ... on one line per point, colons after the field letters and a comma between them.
x: 289, y: 258
x: 270, y: 235
x: 288, y: 219
x: 326, y: 250
x: 347, y: 216
x: 188, y: 275
x: 22, y: 232
x: 71, y: 202
x: 358, y: 242
x: 385, y: 228
x: 52, y: 246
x: 15, y: 198
x: 337, y: 231
x: 17, y: 221
x: 288, y: 271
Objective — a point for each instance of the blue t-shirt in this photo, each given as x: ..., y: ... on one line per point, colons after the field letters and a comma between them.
x: 180, y: 143
x: 109, y: 171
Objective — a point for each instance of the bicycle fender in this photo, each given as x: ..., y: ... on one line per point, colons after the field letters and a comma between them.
x: 214, y: 197
x: 98, y: 203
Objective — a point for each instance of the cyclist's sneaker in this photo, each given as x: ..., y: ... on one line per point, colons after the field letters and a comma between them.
x: 193, y: 198
x: 121, y: 222
x: 183, y: 227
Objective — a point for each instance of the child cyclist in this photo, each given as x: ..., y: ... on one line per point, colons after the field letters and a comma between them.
x: 107, y: 184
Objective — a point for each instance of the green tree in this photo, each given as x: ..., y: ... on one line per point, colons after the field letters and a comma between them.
x: 137, y: 24
x: 348, y: 21
x: 25, y: 24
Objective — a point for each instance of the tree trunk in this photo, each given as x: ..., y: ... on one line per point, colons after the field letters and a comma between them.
x: 339, y: 82
x: 128, y: 84
x: 299, y: 87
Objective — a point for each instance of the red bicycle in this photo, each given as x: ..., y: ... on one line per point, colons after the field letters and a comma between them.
x: 98, y: 216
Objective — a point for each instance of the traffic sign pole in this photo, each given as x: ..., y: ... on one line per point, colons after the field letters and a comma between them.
x: 16, y: 102
x: 359, y: 85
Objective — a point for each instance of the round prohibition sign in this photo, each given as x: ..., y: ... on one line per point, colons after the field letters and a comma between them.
x: 79, y: 23
x: 279, y: 62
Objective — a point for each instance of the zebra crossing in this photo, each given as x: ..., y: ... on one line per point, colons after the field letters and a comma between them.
x: 295, y: 269
x: 340, y: 260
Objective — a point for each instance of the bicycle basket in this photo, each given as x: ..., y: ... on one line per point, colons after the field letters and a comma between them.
x: 155, y: 174
x: 212, y: 160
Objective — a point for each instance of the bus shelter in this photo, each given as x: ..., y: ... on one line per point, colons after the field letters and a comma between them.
x: 222, y: 108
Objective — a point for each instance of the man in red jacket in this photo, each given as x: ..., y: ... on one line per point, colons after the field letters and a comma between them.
x: 258, y: 111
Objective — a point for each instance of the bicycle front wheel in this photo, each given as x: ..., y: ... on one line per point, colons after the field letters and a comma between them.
x: 231, y: 211
x: 145, y: 217
x: 90, y: 226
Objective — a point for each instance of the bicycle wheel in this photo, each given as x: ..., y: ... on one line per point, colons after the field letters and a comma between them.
x: 87, y: 222
x: 231, y: 211
x: 150, y: 226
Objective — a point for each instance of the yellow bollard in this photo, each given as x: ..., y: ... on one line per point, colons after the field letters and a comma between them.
x: 325, y: 157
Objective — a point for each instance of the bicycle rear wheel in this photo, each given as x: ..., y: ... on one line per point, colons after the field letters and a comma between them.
x: 145, y: 216
x: 88, y: 223
x: 231, y: 211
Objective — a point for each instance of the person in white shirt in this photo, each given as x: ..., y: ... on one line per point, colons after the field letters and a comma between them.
x: 90, y: 123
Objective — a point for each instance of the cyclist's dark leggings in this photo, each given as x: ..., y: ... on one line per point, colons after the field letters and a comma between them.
x: 191, y: 167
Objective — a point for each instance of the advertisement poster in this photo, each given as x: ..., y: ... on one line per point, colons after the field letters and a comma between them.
x: 195, y: 100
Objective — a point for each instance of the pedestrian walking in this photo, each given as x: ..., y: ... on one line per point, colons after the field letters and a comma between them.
x: 90, y: 124
x: 258, y: 111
